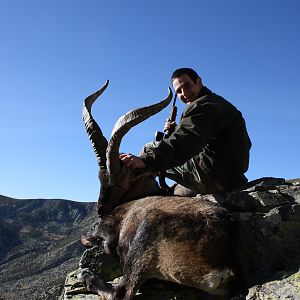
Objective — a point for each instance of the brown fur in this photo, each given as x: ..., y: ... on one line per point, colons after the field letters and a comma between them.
x: 178, y: 239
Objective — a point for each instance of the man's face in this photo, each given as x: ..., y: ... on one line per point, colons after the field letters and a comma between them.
x: 186, y: 89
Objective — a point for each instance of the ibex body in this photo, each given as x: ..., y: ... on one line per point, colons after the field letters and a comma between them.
x: 189, y: 241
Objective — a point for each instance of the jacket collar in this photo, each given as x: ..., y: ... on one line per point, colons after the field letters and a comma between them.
x: 204, y: 92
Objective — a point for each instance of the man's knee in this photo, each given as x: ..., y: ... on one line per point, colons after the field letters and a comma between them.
x: 147, y: 146
x: 181, y: 190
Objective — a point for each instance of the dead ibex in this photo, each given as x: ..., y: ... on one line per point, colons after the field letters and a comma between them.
x: 190, y: 241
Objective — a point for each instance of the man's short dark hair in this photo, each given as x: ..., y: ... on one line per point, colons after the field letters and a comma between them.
x: 185, y: 71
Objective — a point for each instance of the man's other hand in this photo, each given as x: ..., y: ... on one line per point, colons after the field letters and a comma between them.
x: 169, y: 126
x: 131, y: 161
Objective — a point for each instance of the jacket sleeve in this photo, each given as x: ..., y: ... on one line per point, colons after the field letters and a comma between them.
x: 199, y: 124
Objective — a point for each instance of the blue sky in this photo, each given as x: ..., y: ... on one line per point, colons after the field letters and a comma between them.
x: 55, y: 53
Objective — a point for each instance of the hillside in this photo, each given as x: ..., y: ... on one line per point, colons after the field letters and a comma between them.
x: 39, y: 245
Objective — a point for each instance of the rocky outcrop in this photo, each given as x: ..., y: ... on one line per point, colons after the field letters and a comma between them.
x: 268, y: 215
x: 285, y: 288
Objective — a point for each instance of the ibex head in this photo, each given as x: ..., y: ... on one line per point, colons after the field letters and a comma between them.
x: 118, y: 183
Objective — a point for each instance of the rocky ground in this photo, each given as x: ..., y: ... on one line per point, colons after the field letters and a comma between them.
x: 268, y: 213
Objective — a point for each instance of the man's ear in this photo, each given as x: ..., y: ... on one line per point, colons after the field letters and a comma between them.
x: 199, y: 81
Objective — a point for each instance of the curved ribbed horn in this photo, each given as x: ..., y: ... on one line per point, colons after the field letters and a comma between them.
x: 124, y: 124
x: 94, y: 132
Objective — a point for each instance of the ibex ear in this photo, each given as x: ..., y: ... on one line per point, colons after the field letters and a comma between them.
x: 103, y: 176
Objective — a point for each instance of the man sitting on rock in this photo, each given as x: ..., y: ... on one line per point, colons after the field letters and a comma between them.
x: 208, y: 151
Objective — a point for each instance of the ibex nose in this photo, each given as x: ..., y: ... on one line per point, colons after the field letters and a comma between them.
x: 88, y: 241
x: 85, y: 241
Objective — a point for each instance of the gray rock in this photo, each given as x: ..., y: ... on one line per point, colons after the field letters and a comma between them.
x: 286, y: 288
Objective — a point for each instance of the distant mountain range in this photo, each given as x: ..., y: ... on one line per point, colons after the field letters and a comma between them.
x: 40, y: 245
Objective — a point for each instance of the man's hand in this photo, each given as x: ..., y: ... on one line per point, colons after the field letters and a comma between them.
x: 131, y: 161
x: 169, y: 125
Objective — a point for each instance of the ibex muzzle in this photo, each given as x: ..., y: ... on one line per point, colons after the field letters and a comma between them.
x: 190, y: 241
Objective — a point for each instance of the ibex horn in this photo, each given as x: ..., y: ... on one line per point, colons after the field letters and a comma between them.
x: 94, y: 132
x: 124, y: 124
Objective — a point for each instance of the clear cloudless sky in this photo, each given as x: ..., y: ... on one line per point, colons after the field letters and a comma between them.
x: 55, y: 53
